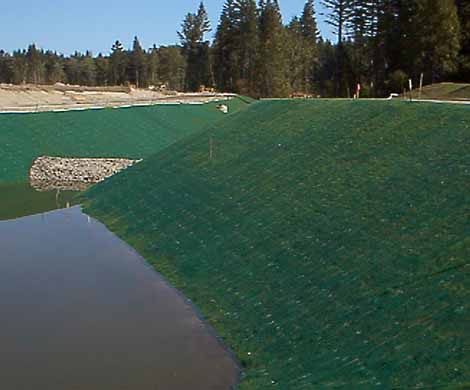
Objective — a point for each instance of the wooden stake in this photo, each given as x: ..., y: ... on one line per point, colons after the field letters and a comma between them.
x: 410, y: 82
x: 57, y: 196
x: 211, y: 148
x: 421, y: 85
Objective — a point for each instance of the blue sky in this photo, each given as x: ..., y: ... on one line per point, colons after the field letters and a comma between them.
x: 94, y: 25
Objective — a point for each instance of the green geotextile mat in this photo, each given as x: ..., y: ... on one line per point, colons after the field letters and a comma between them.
x: 328, y: 242
x: 135, y: 132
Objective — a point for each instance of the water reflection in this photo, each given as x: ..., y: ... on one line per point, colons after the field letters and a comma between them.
x: 21, y: 199
x: 50, y: 186
x: 81, y: 310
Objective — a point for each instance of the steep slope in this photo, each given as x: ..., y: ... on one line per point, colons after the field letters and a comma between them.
x: 328, y: 242
x: 127, y: 132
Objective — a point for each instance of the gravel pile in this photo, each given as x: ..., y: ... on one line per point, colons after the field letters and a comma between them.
x: 76, y: 170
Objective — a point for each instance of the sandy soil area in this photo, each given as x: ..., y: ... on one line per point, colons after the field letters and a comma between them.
x: 31, y: 98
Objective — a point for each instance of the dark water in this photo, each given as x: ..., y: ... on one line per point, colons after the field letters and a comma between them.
x: 80, y: 310
x: 20, y: 199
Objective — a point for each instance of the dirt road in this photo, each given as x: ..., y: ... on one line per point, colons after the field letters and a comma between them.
x: 31, y: 98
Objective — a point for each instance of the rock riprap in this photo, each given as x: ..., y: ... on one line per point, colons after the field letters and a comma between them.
x: 76, y: 170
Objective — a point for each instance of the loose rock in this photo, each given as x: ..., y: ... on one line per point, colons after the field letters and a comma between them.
x: 69, y: 171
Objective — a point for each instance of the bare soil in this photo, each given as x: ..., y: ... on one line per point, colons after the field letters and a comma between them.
x: 59, y: 97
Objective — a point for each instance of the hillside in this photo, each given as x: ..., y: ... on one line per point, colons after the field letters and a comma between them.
x: 127, y: 132
x: 327, y: 241
x: 445, y: 91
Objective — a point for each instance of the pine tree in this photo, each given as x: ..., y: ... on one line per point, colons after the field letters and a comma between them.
x: 430, y: 38
x: 6, y: 67
x: 54, y: 68
x: 386, y: 51
x: 440, y: 39
x: 248, y: 45
x: 172, y: 67
x: 296, y: 56
x: 381, y: 43
x: 361, y: 24
x: 203, y: 23
x: 20, y: 67
x: 309, y: 30
x: 87, y: 72
x: 463, y: 9
x: 235, y: 46
x: 35, y: 65
x: 72, y: 69
x: 117, y: 65
x: 195, y: 49
x: 137, y: 67
x: 272, y: 64
x: 153, y: 66
x: 308, y: 22
x: 325, y: 72
x: 226, y: 48
x: 339, y: 17
x: 102, y: 71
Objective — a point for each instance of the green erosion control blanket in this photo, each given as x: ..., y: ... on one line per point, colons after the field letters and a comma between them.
x: 125, y: 132
x: 328, y: 242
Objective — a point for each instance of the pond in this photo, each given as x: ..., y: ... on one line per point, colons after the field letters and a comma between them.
x: 20, y: 200
x: 80, y: 309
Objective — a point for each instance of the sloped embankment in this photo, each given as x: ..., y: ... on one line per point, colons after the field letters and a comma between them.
x: 445, y: 91
x: 134, y: 133
x: 327, y: 241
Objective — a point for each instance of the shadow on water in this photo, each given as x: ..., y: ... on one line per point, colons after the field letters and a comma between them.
x: 20, y: 200
x: 80, y: 309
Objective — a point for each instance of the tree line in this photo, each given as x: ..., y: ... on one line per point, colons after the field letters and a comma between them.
x: 379, y: 44
x: 137, y: 66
